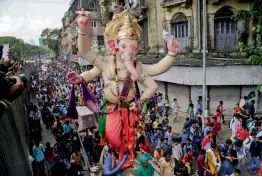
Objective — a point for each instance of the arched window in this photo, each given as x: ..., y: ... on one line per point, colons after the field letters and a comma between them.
x: 225, y: 30
x: 91, y: 5
x: 179, y: 28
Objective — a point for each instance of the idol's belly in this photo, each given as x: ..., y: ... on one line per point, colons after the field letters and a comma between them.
x: 111, y: 92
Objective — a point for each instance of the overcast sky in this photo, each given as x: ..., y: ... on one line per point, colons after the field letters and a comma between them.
x: 26, y: 19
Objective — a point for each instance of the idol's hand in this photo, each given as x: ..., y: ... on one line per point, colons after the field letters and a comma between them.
x: 173, y: 45
x: 83, y: 21
x: 74, y: 78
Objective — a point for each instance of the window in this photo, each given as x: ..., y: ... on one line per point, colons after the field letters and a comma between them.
x: 91, y: 5
x: 225, y: 30
x: 93, y: 24
x: 100, y: 40
x: 179, y: 28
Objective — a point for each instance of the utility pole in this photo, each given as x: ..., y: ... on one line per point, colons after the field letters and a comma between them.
x: 204, y: 42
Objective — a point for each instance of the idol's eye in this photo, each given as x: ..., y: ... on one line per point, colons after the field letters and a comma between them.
x: 123, y: 46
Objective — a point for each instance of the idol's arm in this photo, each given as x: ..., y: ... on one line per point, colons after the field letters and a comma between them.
x: 162, y: 66
x: 150, y: 85
x: 91, y: 74
x: 84, y: 46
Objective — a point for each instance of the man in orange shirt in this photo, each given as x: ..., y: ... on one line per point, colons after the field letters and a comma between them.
x: 237, y: 109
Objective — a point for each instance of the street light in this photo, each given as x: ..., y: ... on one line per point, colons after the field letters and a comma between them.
x: 204, y: 42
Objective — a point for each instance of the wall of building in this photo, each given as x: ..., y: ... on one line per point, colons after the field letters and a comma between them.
x: 216, y: 75
x: 181, y: 93
x: 157, y: 14
x: 212, y: 9
x: 152, y: 24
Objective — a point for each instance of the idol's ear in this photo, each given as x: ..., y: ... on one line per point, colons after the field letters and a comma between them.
x: 111, y: 45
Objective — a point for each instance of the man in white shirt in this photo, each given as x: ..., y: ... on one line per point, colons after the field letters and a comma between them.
x: 246, y: 144
x: 243, y: 102
x: 175, y: 109
x: 232, y: 126
x: 160, y: 105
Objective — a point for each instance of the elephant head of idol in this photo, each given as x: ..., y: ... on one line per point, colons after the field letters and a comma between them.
x: 123, y: 34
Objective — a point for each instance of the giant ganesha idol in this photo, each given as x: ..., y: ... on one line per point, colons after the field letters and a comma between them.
x: 121, y: 72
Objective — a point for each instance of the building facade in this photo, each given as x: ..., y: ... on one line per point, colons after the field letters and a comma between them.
x: 140, y: 8
x: 69, y: 33
x: 229, y: 76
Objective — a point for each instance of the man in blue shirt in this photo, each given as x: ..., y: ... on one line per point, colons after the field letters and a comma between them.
x: 38, y: 154
x: 207, y: 129
x: 184, y: 135
x: 198, y: 106
x: 170, y: 136
x: 225, y: 158
x: 68, y: 128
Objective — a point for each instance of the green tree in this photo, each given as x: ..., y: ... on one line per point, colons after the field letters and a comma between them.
x: 19, y: 49
x: 254, y: 49
x: 51, y: 39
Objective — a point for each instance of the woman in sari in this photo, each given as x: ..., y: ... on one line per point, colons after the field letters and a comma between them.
x: 213, y: 160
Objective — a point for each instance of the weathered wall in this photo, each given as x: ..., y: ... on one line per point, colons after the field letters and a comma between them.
x: 152, y: 24
x: 181, y: 93
x: 212, y: 9
x: 230, y: 95
x: 216, y: 75
x: 157, y: 14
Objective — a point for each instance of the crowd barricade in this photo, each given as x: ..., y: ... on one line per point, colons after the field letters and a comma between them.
x: 15, y: 135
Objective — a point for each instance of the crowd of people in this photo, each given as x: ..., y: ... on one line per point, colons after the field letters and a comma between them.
x: 51, y: 94
x: 177, y: 151
x: 174, y: 151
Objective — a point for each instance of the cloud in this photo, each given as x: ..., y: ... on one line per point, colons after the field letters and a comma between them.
x: 26, y: 19
x: 39, y: 24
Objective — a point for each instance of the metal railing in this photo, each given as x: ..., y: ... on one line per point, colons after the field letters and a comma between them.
x: 14, y: 137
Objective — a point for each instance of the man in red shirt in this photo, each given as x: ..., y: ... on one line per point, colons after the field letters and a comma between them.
x: 188, y: 155
x: 215, y: 130
x: 206, y: 143
x: 221, y: 110
x: 243, y: 134
x: 201, y: 163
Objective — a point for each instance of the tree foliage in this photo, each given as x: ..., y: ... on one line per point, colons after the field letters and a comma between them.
x: 51, y: 39
x: 20, y: 50
x: 254, y: 49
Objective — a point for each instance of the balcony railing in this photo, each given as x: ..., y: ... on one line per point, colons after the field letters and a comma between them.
x: 166, y: 3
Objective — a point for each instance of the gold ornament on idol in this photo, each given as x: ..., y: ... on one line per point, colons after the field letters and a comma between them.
x: 123, y: 26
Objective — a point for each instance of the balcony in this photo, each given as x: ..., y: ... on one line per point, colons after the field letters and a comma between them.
x: 168, y: 3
